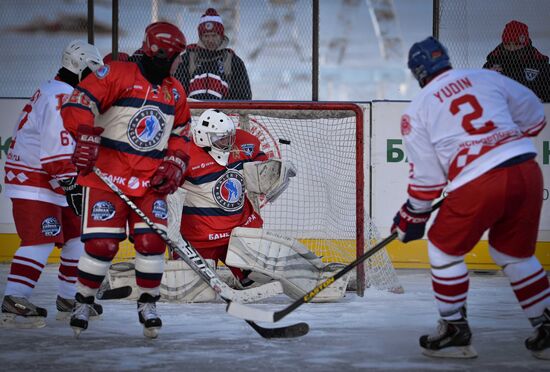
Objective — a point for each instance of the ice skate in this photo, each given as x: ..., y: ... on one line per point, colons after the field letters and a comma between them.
x: 147, y: 311
x: 18, y: 312
x: 452, y: 340
x: 65, y: 307
x: 539, y: 342
x: 81, y: 313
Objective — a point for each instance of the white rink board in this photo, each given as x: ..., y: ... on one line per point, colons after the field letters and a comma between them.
x: 389, y: 178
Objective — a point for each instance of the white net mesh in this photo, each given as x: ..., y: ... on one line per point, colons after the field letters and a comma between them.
x: 319, y: 206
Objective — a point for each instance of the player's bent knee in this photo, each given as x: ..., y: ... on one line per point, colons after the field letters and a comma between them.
x: 104, y: 248
x: 502, y: 259
x: 438, y: 258
x: 149, y: 244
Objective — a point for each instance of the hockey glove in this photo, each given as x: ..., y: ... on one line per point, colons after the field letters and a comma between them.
x: 87, y: 148
x: 410, y: 224
x: 169, y: 176
x: 73, y: 193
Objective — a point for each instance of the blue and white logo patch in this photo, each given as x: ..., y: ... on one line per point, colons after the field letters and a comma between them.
x: 146, y: 128
x: 248, y: 149
x: 160, y: 209
x: 51, y: 226
x: 228, y: 192
x: 176, y: 94
x: 531, y: 74
x: 102, y: 71
x: 103, y: 211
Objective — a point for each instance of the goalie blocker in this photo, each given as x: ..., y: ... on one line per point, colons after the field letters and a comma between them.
x: 274, y: 257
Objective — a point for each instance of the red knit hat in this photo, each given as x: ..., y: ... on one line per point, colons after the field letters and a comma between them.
x: 211, y: 22
x: 517, y: 32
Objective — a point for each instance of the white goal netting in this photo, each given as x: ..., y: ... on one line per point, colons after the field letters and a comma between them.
x: 323, y: 205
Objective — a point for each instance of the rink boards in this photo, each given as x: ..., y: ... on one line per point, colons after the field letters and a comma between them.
x: 386, y: 172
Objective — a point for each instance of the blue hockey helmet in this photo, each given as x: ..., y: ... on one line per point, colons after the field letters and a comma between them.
x: 427, y: 58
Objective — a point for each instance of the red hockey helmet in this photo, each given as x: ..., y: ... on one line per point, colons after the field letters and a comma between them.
x: 164, y: 40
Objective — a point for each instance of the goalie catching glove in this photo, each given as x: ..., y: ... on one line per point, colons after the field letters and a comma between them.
x: 270, y: 178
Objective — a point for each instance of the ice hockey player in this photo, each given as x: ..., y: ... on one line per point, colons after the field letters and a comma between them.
x: 468, y: 131
x: 40, y: 177
x: 127, y: 119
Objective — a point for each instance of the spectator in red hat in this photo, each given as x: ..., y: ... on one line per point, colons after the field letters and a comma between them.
x: 517, y: 58
x: 209, y: 70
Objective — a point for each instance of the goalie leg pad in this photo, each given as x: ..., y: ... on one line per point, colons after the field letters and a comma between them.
x: 181, y: 284
x: 281, y: 258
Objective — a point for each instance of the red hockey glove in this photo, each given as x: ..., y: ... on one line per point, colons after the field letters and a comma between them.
x: 169, y: 176
x: 410, y: 224
x: 87, y: 148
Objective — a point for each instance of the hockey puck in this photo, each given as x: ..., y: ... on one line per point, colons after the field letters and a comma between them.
x: 284, y: 142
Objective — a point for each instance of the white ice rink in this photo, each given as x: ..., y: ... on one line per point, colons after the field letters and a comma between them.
x: 377, y: 332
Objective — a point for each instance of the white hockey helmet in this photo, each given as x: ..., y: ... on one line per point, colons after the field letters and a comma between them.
x: 216, y: 131
x: 78, y: 55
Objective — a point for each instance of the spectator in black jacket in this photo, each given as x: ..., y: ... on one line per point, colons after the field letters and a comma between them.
x: 209, y: 70
x: 518, y: 59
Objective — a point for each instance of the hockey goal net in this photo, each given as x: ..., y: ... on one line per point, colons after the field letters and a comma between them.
x: 324, y: 206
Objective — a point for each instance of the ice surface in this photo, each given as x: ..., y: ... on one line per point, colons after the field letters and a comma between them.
x: 377, y: 332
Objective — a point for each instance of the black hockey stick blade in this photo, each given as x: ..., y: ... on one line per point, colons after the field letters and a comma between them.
x: 115, y: 293
x: 291, y: 331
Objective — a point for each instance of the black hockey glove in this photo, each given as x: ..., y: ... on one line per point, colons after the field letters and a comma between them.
x: 73, y: 193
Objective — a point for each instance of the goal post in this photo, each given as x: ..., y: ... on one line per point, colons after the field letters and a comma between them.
x: 324, y: 205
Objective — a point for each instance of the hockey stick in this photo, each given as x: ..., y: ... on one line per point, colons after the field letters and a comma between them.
x: 197, y: 264
x: 114, y: 293
x: 251, y: 313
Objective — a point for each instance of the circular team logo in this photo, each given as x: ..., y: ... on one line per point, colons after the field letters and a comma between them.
x: 160, y: 209
x: 146, y: 128
x: 51, y: 226
x: 103, y: 211
x: 228, y: 191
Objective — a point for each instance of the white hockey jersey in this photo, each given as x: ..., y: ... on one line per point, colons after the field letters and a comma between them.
x: 463, y: 124
x: 41, y: 149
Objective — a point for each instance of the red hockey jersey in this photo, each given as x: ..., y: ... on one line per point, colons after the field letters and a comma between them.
x: 140, y: 122
x: 216, y: 202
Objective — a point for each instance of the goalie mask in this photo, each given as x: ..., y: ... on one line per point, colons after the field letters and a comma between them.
x: 215, y: 131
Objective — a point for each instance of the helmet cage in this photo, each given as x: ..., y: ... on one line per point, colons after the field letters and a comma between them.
x: 216, y: 132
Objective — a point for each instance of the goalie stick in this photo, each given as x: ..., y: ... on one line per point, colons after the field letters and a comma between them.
x: 197, y: 264
x: 252, y: 314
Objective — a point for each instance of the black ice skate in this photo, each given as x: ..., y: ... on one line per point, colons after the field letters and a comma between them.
x: 81, y: 313
x: 18, y: 312
x: 147, y: 312
x: 539, y: 342
x: 452, y: 340
x: 65, y: 307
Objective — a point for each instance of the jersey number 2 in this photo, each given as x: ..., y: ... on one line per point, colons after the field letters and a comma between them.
x: 475, y: 114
